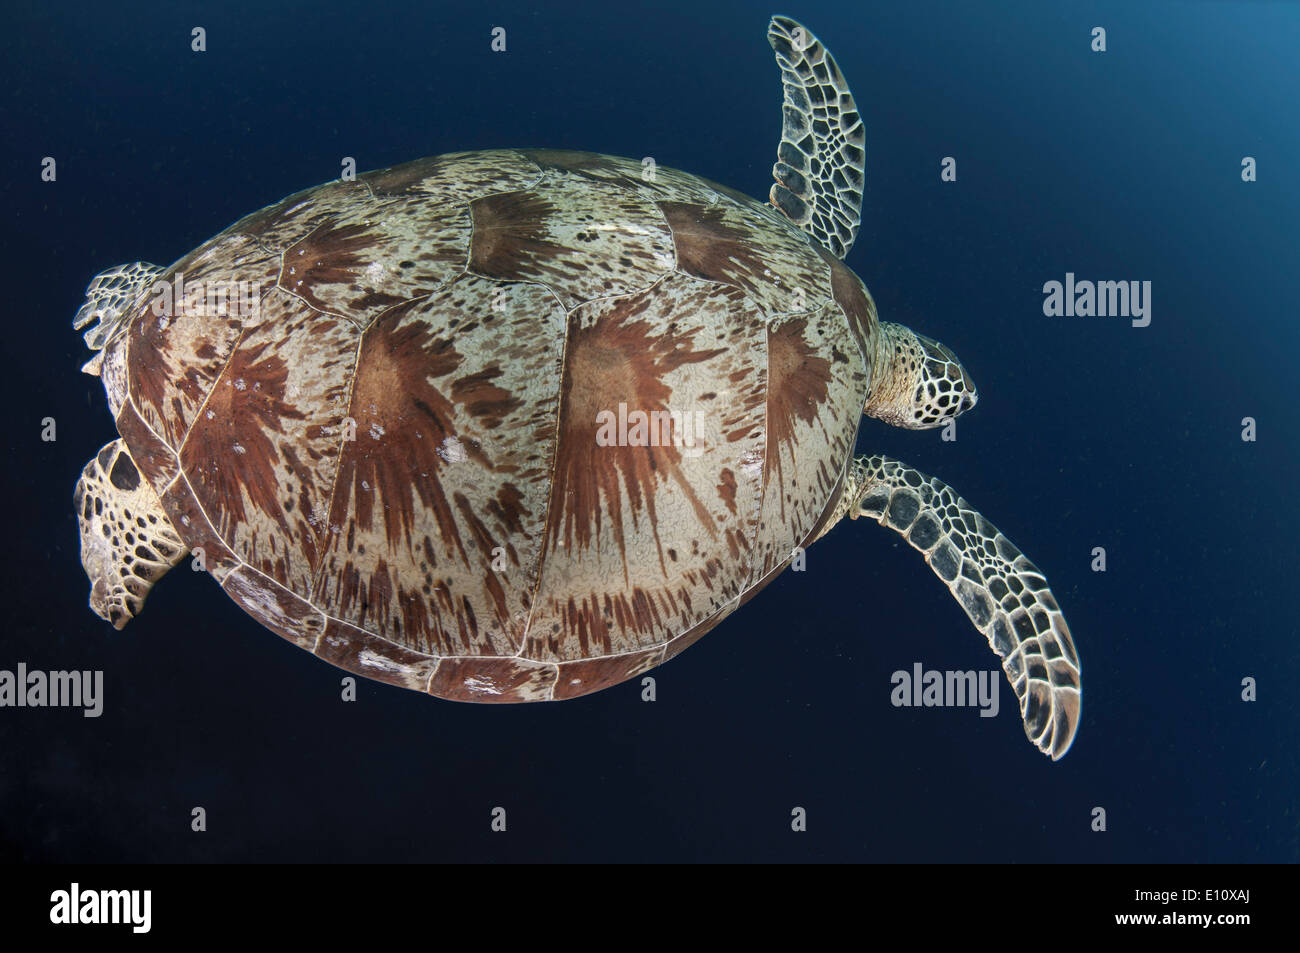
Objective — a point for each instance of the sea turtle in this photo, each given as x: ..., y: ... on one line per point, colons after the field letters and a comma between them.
x: 519, y: 425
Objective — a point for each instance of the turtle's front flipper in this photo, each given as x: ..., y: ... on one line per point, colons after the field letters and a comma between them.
x: 822, y: 154
x: 127, y: 541
x: 1001, y: 590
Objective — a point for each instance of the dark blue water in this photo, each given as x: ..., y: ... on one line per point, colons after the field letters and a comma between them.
x: 1089, y: 433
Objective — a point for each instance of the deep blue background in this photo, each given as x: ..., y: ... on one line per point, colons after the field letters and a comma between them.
x: 1122, y: 165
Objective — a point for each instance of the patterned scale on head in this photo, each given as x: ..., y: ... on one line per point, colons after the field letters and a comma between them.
x: 522, y: 424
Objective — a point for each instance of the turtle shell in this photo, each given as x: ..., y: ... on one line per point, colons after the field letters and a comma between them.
x: 404, y: 418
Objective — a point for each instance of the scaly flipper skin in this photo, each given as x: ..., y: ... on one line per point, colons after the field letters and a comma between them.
x: 999, y: 588
x: 127, y: 541
x: 822, y: 155
x: 108, y: 297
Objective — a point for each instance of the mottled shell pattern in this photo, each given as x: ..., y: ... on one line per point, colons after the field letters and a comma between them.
x: 385, y: 441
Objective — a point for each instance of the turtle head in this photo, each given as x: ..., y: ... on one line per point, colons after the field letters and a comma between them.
x: 917, y: 382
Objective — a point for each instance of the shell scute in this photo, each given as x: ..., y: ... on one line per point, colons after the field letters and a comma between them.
x: 814, y: 403
x: 582, y: 239
x: 284, y: 613
x: 638, y: 540
x: 750, y: 247
x: 182, y: 336
x: 436, y: 520
x: 585, y: 676
x: 357, y: 650
x: 493, y: 680
x: 262, y: 455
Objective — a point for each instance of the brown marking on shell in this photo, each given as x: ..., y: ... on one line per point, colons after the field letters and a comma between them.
x: 391, y: 470
x: 263, y: 454
x: 727, y: 489
x: 798, y: 385
x: 617, y: 359
x: 394, y: 400
x: 635, y: 549
x: 594, y: 621
x: 113, y: 371
x: 154, y: 458
x: 824, y: 522
x: 664, y: 184
x: 708, y: 246
x: 685, y: 640
x: 402, y: 179
x: 481, y: 396
x: 192, y: 526
x: 855, y: 301
x: 509, y: 233
x: 582, y: 239
x: 593, y: 675
x: 455, y: 426
x: 367, y: 599
x: 360, y: 262
x: 821, y: 526
x: 280, y: 610
x: 356, y: 650
x: 278, y: 226
x: 175, y: 358
x: 229, y: 454
x: 456, y: 178
x: 493, y: 680
x: 738, y: 546
x: 333, y: 254
x: 753, y: 248
x: 798, y: 379
x: 814, y: 407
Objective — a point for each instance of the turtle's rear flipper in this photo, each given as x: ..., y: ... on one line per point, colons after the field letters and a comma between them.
x: 127, y: 541
x: 108, y: 297
x: 1001, y: 590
